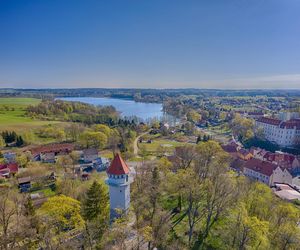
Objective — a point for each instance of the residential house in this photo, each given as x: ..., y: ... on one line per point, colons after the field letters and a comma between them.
x: 10, y: 157
x: 266, y: 172
x: 46, y: 152
x: 244, y: 154
x: 89, y: 155
x: 48, y: 157
x: 8, y: 170
x: 24, y: 184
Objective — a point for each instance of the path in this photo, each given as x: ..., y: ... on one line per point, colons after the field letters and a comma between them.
x: 135, y: 143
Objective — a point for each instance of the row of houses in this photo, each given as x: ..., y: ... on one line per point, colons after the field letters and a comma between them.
x: 264, y: 166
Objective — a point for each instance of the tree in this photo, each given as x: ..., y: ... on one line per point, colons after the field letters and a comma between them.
x: 95, y: 204
x: 23, y: 159
x: 28, y: 137
x: 193, y: 116
x: 19, y: 141
x: 242, y: 231
x: 242, y: 127
x: 102, y: 128
x: 93, y: 140
x: 95, y: 211
x: 2, y: 142
x: 74, y: 131
x: 64, y: 161
x: 14, y: 224
x: 62, y: 212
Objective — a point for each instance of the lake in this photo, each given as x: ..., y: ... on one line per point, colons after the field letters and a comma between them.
x: 127, y: 108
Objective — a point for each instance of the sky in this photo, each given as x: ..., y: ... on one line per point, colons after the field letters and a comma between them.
x: 150, y: 43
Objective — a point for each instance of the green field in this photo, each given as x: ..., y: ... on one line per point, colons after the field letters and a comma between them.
x: 152, y: 148
x: 12, y: 114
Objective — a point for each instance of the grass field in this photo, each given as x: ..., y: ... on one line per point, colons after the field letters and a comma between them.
x: 169, y: 145
x: 12, y: 114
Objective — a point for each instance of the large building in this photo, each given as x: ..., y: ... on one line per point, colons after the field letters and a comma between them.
x: 119, y: 186
x: 283, y: 133
x: 266, y: 172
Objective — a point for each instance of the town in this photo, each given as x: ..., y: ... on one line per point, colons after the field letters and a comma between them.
x: 149, y: 125
x: 122, y: 177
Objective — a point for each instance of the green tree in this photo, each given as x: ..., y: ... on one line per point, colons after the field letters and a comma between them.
x: 102, y: 128
x: 193, y: 116
x: 62, y: 212
x: 93, y: 140
x: 2, y: 142
x: 95, y: 211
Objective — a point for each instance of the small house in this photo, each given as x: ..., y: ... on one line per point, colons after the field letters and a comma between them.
x: 90, y: 155
x: 24, y: 184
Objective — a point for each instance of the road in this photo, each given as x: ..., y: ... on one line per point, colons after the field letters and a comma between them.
x: 135, y: 143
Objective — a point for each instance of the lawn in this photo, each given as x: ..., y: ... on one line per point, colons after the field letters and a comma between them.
x: 169, y: 145
x: 12, y: 114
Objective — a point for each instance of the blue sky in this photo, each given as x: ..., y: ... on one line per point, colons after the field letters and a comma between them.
x: 150, y: 43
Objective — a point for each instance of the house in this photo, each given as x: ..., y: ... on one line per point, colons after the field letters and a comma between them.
x: 48, y: 150
x: 266, y: 172
x: 279, y: 158
x: 10, y: 157
x: 89, y: 155
x: 244, y: 154
x: 8, y: 170
x: 24, y: 184
x: 47, y: 157
x: 231, y: 149
x: 4, y: 172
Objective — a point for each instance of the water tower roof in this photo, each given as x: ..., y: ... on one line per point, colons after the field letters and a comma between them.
x: 118, y: 166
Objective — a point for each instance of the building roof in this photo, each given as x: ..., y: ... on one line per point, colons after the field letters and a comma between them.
x: 244, y: 152
x: 291, y: 124
x: 11, y: 167
x: 270, y: 121
x: 4, y: 172
x: 52, y: 148
x: 90, y: 151
x: 118, y: 166
x: 24, y: 180
x: 263, y: 167
x: 229, y: 148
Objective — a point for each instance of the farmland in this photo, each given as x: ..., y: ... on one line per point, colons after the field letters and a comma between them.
x: 12, y: 114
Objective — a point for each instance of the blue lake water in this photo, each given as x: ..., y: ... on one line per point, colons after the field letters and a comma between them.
x: 127, y: 108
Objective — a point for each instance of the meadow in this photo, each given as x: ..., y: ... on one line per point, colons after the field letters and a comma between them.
x: 13, y: 117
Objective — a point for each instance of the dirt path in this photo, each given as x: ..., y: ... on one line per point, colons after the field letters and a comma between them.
x: 135, y: 143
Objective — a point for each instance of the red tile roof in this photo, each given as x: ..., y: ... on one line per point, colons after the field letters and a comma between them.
x: 291, y: 124
x: 229, y: 148
x: 263, y: 167
x: 53, y: 148
x: 118, y: 166
x: 270, y: 121
x: 11, y: 167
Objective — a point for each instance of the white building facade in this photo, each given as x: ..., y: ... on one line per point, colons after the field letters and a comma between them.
x: 283, y: 133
